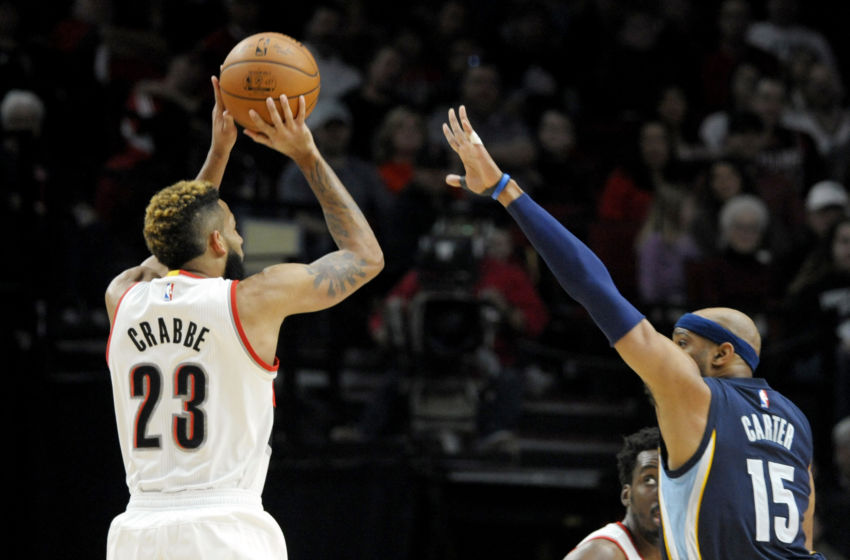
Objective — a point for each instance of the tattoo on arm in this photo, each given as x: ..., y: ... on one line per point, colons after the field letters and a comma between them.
x: 341, y: 272
x: 338, y: 212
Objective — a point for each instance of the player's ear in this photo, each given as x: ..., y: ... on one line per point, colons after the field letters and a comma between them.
x: 723, y: 354
x: 217, y: 243
x: 626, y: 494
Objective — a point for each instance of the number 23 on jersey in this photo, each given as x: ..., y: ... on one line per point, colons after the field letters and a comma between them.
x: 189, y: 386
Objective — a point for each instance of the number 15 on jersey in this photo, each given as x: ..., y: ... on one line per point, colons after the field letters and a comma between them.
x: 784, y: 527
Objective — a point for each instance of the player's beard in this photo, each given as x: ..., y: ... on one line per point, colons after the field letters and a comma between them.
x: 648, y: 528
x: 234, y: 268
x: 652, y: 536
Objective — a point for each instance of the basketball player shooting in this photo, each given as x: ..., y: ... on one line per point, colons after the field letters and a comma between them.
x: 736, y: 455
x: 191, y: 353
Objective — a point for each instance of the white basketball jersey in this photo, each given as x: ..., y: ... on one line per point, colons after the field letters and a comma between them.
x: 619, y: 535
x: 193, y: 402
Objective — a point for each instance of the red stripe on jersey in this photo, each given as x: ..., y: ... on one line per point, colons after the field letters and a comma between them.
x: 628, y: 534
x: 244, y: 338
x: 609, y: 539
x: 614, y: 540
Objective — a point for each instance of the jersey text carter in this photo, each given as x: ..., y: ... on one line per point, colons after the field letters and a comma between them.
x: 768, y: 427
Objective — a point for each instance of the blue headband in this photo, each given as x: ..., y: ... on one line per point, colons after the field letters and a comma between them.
x: 718, y: 334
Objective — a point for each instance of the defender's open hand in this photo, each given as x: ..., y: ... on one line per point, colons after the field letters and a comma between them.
x: 481, y: 171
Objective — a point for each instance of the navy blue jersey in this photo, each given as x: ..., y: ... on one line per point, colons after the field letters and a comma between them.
x: 745, y: 491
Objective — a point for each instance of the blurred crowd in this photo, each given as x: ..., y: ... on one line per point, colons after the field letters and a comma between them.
x: 701, y: 149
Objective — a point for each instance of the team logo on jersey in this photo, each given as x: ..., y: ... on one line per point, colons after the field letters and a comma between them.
x: 169, y: 292
x: 765, y: 402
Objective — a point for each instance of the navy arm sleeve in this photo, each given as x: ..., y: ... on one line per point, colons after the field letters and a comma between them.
x: 577, y: 268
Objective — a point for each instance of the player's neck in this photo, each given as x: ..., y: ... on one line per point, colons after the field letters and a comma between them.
x: 646, y: 549
x: 201, y: 267
x: 194, y: 272
x: 735, y: 372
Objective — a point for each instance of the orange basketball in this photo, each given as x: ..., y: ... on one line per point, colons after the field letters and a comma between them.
x: 267, y: 65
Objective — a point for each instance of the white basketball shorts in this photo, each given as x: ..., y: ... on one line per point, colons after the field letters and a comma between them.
x: 212, y: 526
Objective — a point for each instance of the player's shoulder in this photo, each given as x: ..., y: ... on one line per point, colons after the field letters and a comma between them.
x: 269, y: 282
x: 122, y: 283
x: 273, y: 290
x: 597, y: 549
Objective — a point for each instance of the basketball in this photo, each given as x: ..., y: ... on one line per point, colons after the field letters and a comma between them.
x: 267, y: 65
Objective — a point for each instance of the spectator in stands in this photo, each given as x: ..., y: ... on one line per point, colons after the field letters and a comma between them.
x: 818, y: 318
x: 242, y: 18
x: 724, y: 179
x: 782, y: 32
x: 785, y: 152
x: 323, y: 35
x: 741, y: 270
x: 626, y: 198
x: 16, y: 60
x: 414, y: 181
x: 638, y: 54
x: 834, y: 504
x: 673, y: 110
x: 530, y: 54
x: 731, y: 51
x: 824, y: 118
x: 78, y: 93
x: 567, y: 173
x: 796, y: 72
x: 483, y: 94
x: 22, y: 117
x: 373, y: 99
x: 436, y: 49
x: 715, y: 127
x: 628, y: 190
x: 432, y: 68
x: 826, y: 204
x: 451, y: 21
x: 30, y: 209
x: 787, y: 163
x: 664, y: 246
x: 400, y: 149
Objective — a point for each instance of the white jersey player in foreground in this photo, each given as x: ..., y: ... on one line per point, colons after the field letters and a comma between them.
x: 637, y: 536
x: 191, y: 353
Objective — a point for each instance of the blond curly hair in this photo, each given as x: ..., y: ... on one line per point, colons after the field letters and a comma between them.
x: 174, y: 219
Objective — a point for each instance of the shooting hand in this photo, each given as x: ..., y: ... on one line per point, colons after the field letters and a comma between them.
x: 287, y: 134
